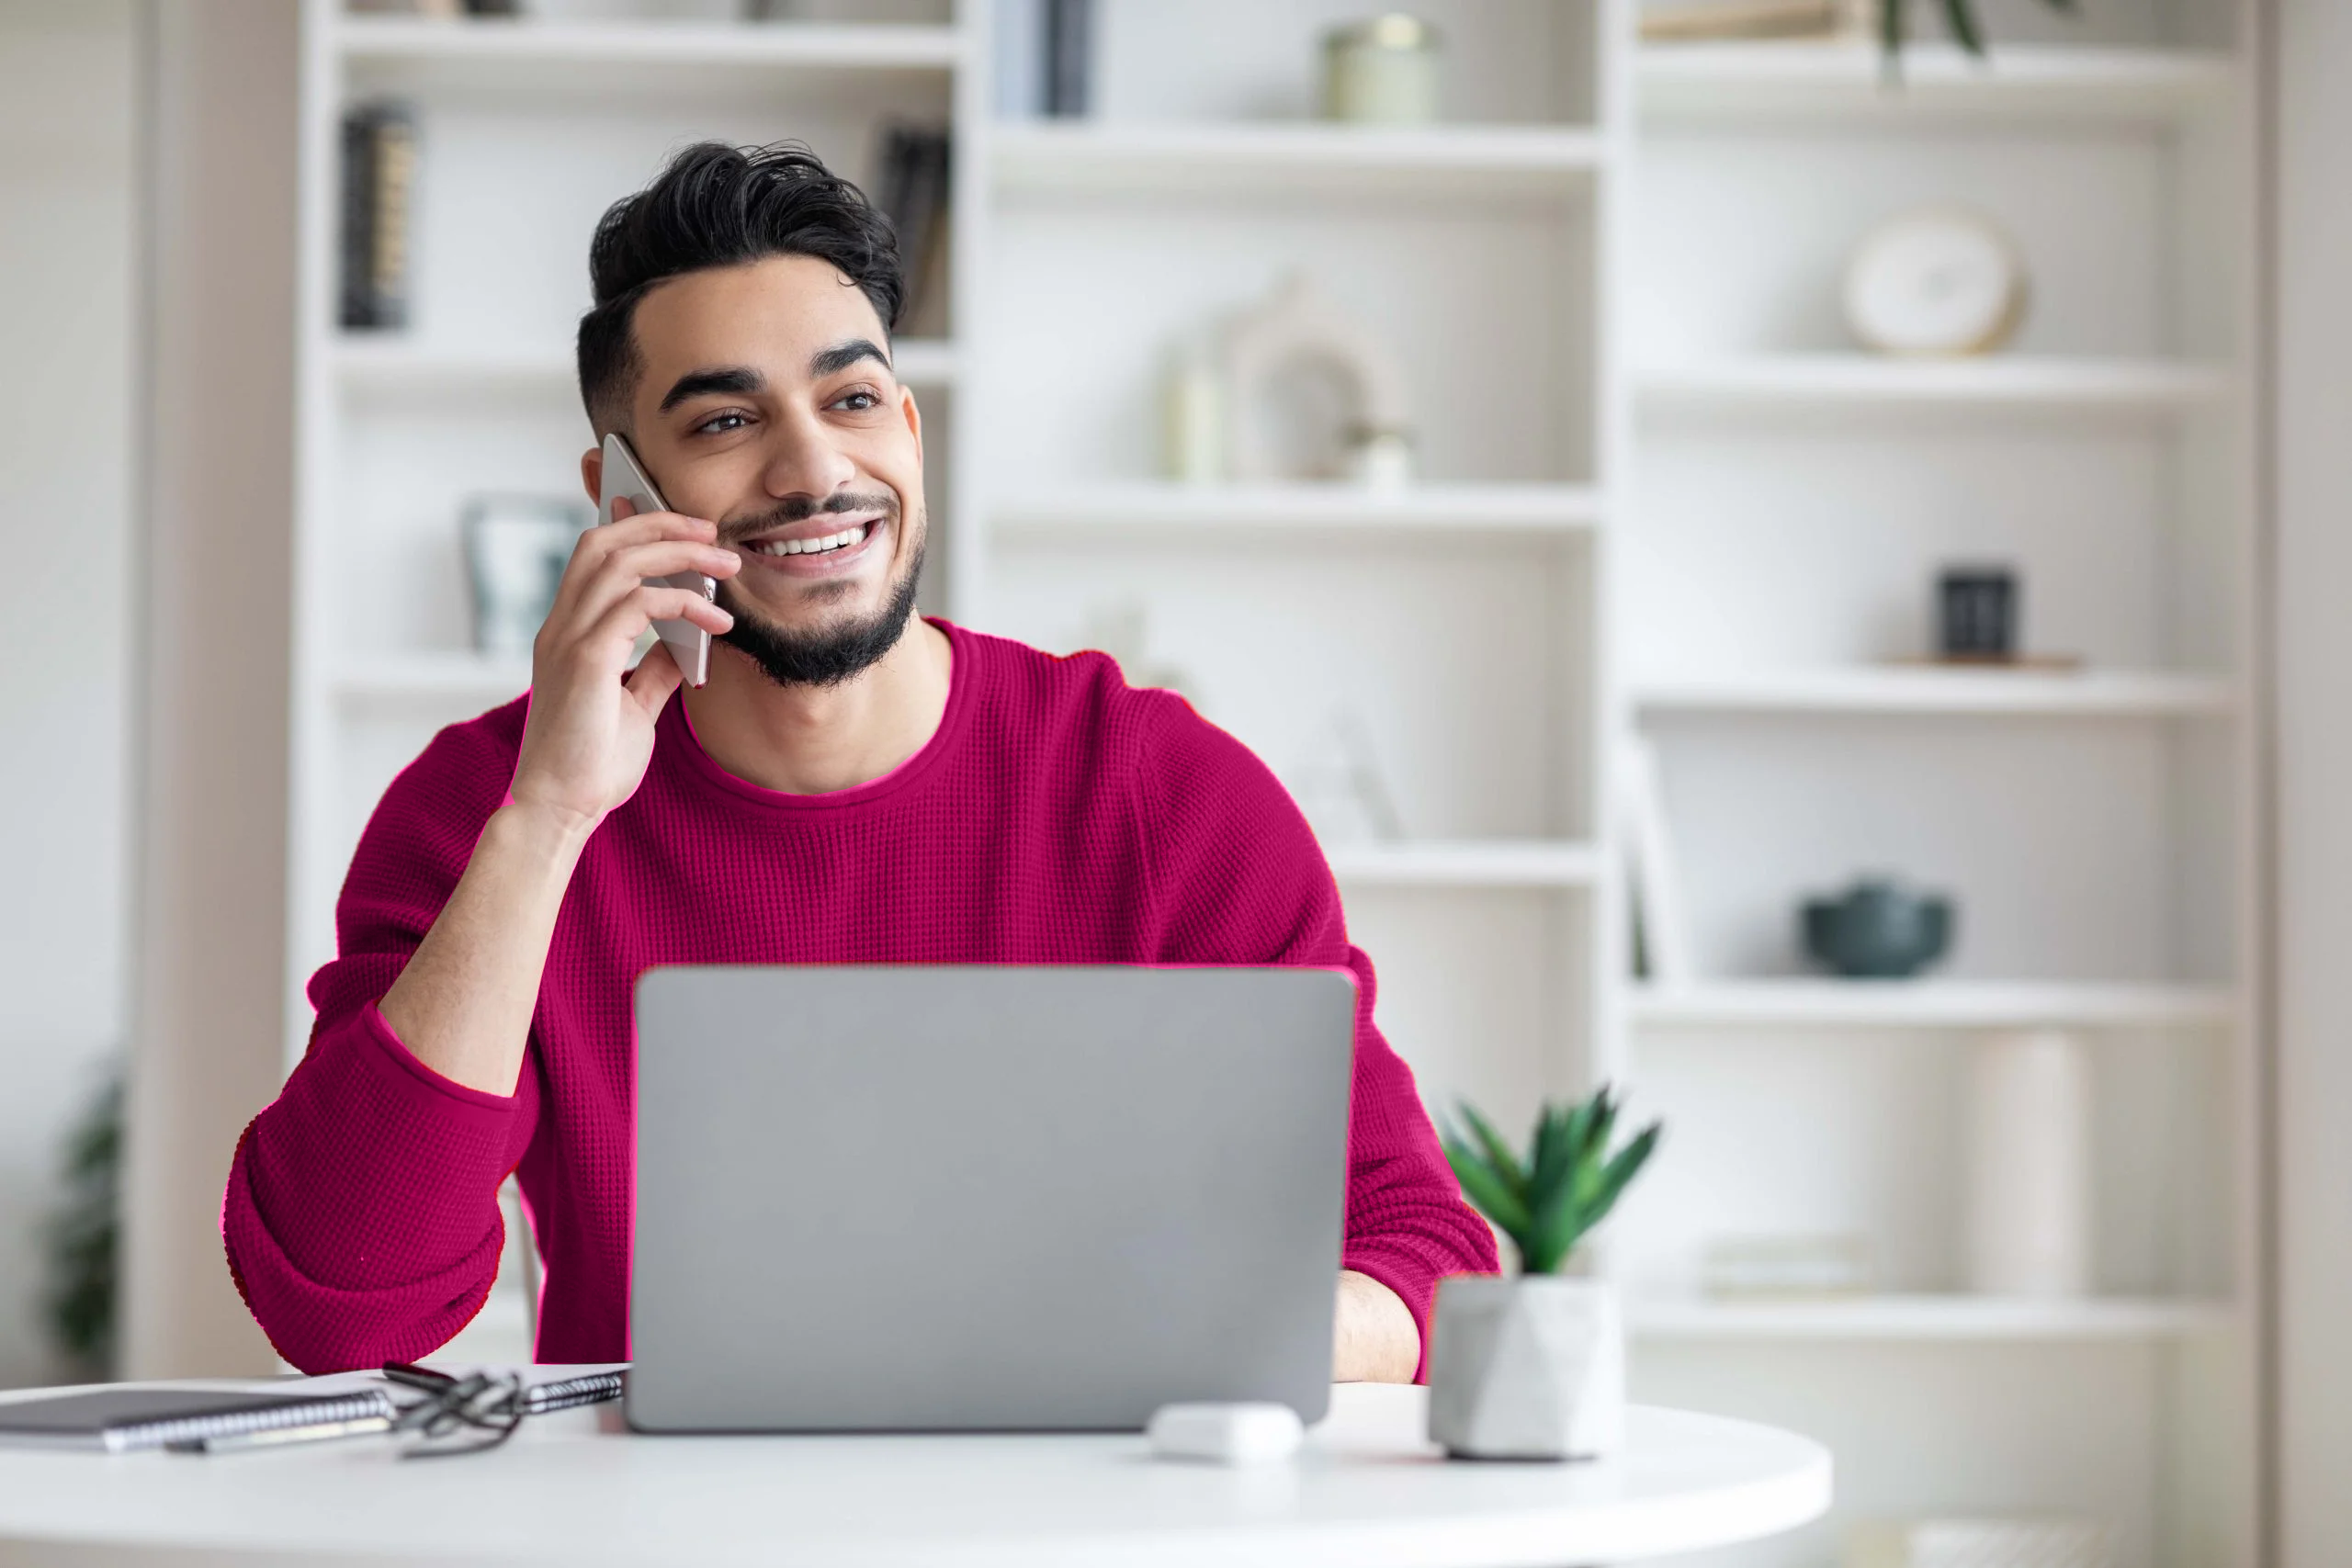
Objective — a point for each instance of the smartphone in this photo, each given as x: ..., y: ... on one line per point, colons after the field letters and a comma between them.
x: 625, y: 477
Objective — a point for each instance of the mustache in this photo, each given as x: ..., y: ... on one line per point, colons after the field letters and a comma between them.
x: 800, y: 508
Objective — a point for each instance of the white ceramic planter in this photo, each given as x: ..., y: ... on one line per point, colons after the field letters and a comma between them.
x: 1531, y: 1368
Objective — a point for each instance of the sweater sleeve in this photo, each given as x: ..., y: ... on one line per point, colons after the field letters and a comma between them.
x: 361, y: 1220
x: 1236, y: 878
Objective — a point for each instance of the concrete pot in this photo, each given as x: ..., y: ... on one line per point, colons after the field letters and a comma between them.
x: 1531, y: 1368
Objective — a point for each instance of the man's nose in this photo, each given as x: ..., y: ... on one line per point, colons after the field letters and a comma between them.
x: 802, y: 458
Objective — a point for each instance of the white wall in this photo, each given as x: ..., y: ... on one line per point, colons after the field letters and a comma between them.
x: 2313, y: 577
x: 67, y: 434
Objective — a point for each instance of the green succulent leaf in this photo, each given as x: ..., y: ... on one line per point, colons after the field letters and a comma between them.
x: 1961, y: 16
x: 1499, y: 1154
x: 1555, y: 1152
x: 1621, y: 1170
x: 1567, y: 1185
x: 1484, y: 1188
x: 1576, y: 1132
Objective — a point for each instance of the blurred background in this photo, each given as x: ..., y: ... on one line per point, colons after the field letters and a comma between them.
x: 1798, y: 578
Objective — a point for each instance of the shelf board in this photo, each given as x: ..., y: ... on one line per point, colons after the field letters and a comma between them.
x: 2019, y: 381
x: 1533, y: 863
x: 1302, y: 158
x: 390, y: 363
x: 1736, y: 83
x: 1161, y: 510
x: 440, y: 683
x: 1953, y: 1317
x: 1929, y: 1004
x: 2090, y: 694
x: 427, y: 43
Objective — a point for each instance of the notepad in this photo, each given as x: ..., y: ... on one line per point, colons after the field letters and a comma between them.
x: 123, y: 1420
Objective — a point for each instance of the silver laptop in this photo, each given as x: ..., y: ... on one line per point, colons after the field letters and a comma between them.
x: 946, y: 1198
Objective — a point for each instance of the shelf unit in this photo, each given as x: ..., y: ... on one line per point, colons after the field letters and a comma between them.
x: 1659, y: 490
x: 1787, y: 500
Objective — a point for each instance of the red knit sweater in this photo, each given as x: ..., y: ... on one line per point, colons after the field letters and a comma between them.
x: 1057, y: 816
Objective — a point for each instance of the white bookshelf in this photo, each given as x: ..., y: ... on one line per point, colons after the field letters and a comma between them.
x: 1788, y: 501
x: 1658, y: 490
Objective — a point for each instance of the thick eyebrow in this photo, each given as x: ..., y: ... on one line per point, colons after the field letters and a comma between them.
x: 841, y: 355
x: 739, y: 380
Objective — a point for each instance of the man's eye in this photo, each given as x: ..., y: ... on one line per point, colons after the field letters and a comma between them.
x: 857, y: 402
x: 720, y: 424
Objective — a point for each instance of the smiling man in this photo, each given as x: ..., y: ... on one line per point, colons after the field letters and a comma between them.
x: 856, y: 783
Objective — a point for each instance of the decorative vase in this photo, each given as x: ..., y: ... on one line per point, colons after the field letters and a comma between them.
x: 1531, y: 1368
x: 2030, y: 1166
x: 1383, y: 71
x: 1877, y: 930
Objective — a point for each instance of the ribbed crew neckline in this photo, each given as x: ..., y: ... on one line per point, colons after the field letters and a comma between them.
x: 952, y: 719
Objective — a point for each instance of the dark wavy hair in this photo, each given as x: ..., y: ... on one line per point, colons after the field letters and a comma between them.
x: 713, y: 205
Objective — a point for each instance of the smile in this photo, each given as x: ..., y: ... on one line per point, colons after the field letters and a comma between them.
x: 843, y: 540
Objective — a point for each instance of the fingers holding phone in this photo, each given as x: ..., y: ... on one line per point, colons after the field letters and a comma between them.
x: 589, y: 736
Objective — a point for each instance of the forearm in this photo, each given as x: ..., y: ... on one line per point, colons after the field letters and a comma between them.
x: 1377, y: 1341
x: 462, y: 1006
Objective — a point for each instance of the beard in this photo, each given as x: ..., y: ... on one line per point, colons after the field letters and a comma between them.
x: 828, y: 655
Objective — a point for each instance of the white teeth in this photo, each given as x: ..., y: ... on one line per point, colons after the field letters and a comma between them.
x: 813, y: 546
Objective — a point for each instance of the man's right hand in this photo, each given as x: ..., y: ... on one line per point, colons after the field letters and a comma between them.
x: 463, y: 1003
x: 589, y: 735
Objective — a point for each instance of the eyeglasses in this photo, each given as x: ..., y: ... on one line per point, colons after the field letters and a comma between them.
x: 483, y: 1404
x: 476, y: 1404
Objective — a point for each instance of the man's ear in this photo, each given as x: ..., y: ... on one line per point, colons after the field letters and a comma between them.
x: 592, y: 474
x: 913, y: 417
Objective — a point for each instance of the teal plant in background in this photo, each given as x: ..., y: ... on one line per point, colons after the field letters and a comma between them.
x: 1960, y: 15
x: 1566, y: 1185
x: 83, y: 1233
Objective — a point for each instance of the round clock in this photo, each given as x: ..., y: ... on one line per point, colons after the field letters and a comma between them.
x: 1935, y: 282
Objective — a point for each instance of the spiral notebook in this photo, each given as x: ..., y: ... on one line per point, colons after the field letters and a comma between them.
x: 124, y: 1419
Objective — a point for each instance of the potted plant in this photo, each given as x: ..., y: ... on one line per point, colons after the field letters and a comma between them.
x: 1533, y: 1367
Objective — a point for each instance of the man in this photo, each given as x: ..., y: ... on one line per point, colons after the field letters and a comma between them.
x: 854, y: 783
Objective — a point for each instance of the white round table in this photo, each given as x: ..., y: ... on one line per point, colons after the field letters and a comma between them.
x: 576, y: 1488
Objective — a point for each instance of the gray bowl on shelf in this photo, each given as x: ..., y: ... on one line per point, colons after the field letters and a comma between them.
x: 1878, y: 929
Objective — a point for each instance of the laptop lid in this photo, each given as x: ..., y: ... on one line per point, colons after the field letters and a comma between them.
x: 984, y: 1198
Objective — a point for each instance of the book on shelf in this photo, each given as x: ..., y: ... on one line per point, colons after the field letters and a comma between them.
x: 913, y: 195
x: 1070, y: 49
x: 1044, y: 57
x: 1662, y: 941
x: 379, y: 156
